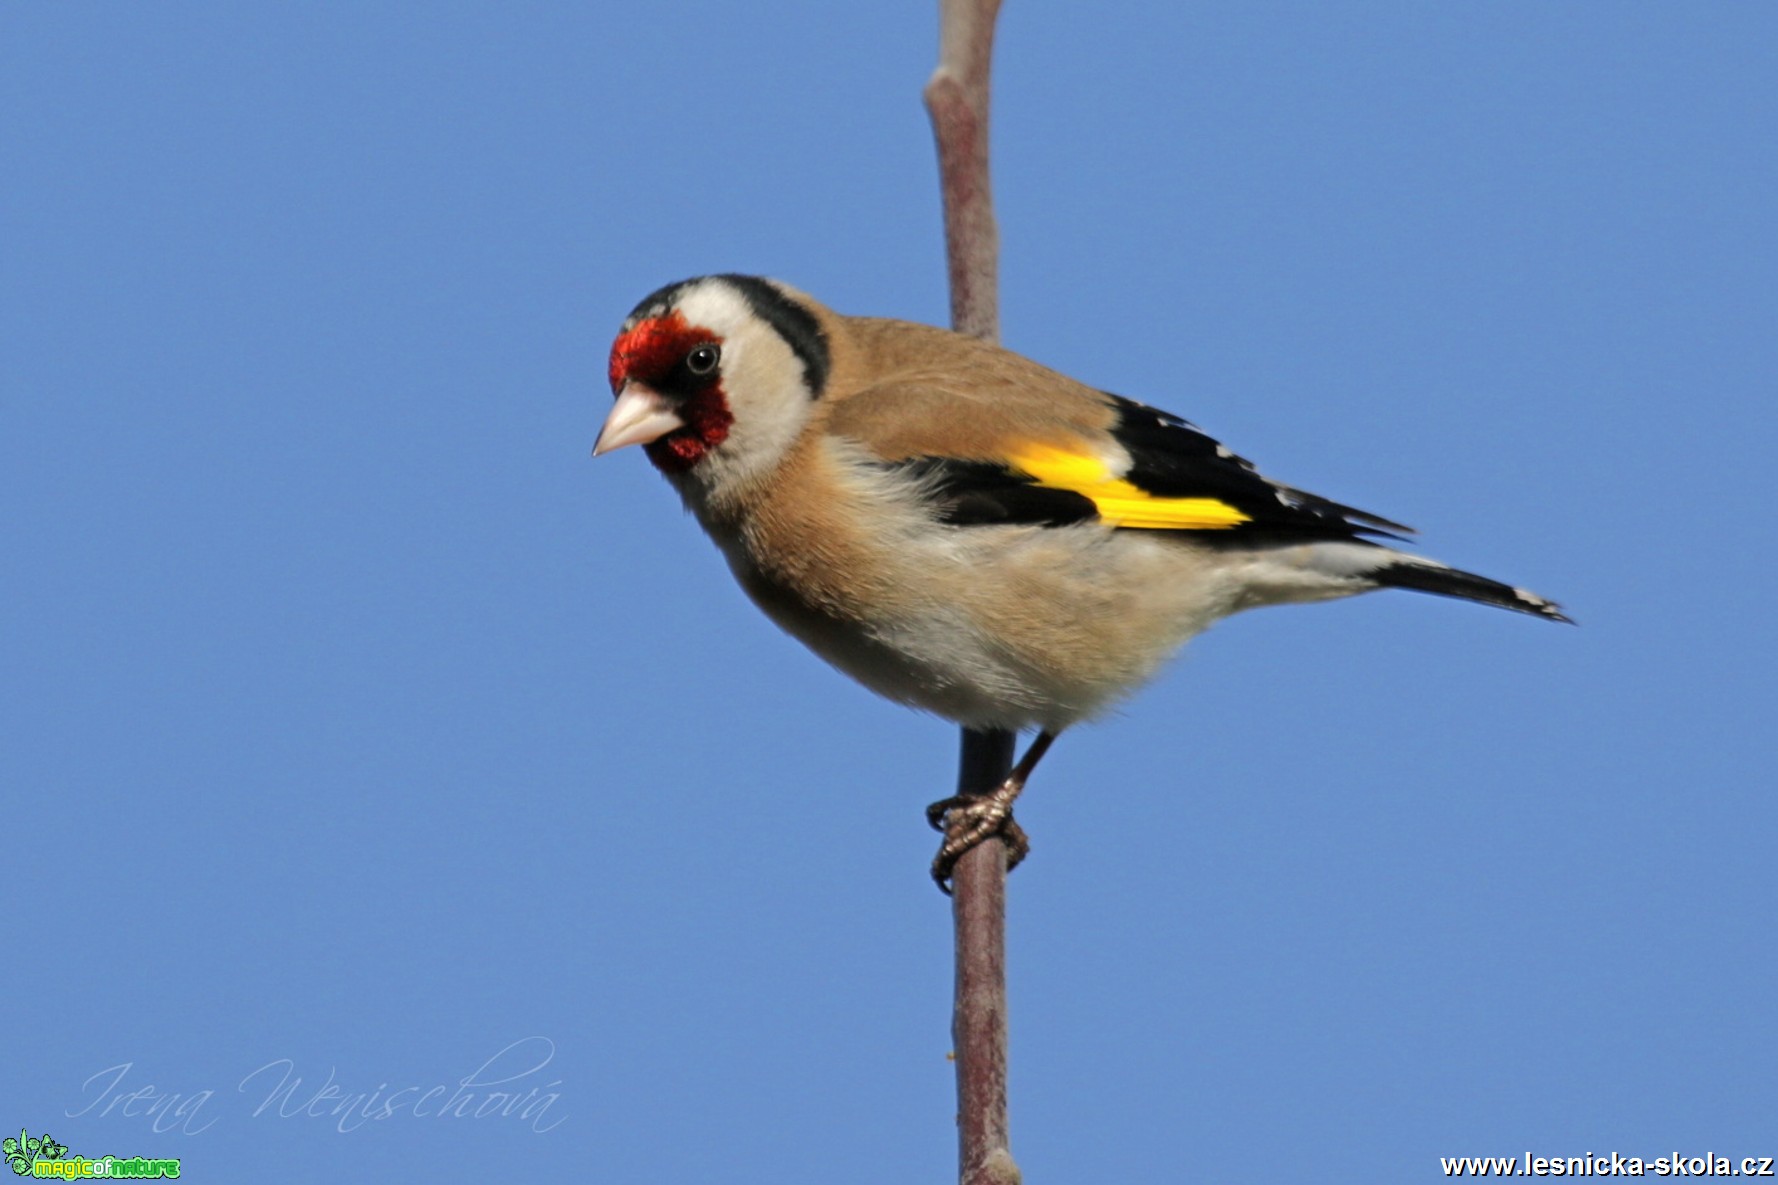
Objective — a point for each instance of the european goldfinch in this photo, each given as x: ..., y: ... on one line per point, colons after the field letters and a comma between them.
x: 963, y: 530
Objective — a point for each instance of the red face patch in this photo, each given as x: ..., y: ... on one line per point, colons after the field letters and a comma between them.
x: 707, y: 421
x: 653, y: 354
x: 649, y: 352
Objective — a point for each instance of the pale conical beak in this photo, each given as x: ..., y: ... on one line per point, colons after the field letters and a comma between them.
x: 639, y: 416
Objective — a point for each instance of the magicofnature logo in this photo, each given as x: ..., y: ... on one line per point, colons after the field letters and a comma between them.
x: 40, y: 1156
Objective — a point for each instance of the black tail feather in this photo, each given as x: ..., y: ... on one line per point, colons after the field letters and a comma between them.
x: 1449, y: 582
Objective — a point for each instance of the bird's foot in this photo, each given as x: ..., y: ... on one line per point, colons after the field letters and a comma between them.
x: 967, y: 820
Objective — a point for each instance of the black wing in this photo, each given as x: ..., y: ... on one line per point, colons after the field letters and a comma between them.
x: 1179, y: 479
x: 1171, y: 458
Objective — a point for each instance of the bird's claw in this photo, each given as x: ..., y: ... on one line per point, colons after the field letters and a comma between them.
x: 966, y: 821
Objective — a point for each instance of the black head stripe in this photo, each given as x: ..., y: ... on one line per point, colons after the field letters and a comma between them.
x: 792, y: 322
x: 658, y: 301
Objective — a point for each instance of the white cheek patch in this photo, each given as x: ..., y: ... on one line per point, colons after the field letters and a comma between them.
x: 762, y: 379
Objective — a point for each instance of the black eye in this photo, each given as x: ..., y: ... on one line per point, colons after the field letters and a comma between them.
x: 703, y: 359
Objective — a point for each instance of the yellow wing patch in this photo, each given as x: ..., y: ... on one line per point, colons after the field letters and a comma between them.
x: 1120, y: 503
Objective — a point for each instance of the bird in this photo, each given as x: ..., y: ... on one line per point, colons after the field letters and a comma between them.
x: 964, y: 530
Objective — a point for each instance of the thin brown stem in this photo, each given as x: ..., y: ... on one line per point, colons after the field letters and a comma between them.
x: 957, y: 100
x: 978, y: 1017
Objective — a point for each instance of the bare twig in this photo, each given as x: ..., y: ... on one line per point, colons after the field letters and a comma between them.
x: 957, y: 100
x: 978, y: 1016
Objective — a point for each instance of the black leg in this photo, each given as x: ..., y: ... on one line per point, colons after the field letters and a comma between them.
x: 967, y: 820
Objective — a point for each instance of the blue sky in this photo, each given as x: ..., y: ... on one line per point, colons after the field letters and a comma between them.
x: 362, y: 730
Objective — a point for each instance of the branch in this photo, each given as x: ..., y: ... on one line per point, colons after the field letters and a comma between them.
x: 957, y: 100
x: 978, y: 1015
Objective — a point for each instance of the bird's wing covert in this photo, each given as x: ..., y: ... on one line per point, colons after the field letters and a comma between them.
x: 1156, y: 473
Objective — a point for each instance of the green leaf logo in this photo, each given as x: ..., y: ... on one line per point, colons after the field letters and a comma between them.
x: 27, y: 1150
x: 15, y: 1154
